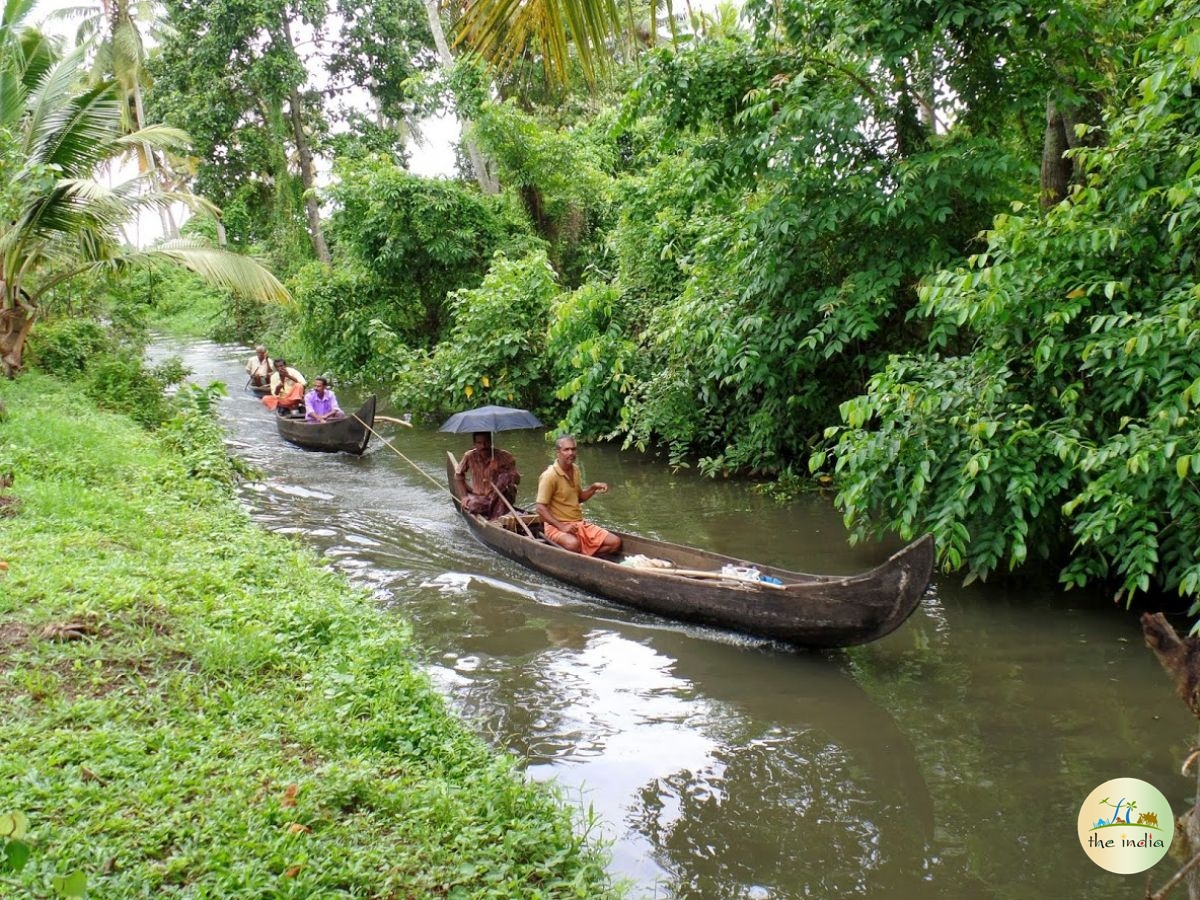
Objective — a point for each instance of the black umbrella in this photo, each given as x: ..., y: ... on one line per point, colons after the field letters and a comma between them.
x: 490, y: 418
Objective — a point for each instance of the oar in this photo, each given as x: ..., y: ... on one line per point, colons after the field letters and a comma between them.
x: 404, y: 422
x: 702, y: 573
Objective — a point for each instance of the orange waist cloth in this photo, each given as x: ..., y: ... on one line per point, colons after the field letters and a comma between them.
x: 291, y: 398
x: 591, y: 537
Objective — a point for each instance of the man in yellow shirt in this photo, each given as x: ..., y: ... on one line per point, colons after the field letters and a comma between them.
x: 559, y: 503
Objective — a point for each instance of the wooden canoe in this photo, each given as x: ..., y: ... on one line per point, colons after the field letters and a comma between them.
x: 802, y: 610
x: 258, y: 390
x: 349, y: 434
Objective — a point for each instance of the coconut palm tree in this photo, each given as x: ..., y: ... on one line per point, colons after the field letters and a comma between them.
x: 502, y: 31
x: 57, y: 221
x: 112, y: 32
x: 592, y: 32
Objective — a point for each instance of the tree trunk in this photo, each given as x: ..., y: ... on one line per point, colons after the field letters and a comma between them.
x: 150, y: 161
x: 912, y: 137
x: 121, y: 23
x: 926, y: 79
x: 312, y: 206
x: 1056, y: 168
x: 485, y: 178
x: 15, y: 324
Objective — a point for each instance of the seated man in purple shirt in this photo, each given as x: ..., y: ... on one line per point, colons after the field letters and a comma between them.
x: 319, y: 404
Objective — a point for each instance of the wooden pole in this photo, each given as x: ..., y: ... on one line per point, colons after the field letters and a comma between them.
x: 389, y: 445
x: 516, y: 514
x: 706, y: 573
x: 702, y: 573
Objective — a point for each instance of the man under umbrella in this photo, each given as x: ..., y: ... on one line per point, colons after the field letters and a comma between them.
x: 493, y: 478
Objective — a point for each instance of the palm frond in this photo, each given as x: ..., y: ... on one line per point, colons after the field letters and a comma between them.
x: 502, y: 31
x: 231, y: 271
x: 74, y: 205
x: 160, y: 137
x: 168, y: 199
x: 47, y: 96
x: 79, y: 134
x: 14, y: 13
x: 129, y: 51
x: 12, y: 98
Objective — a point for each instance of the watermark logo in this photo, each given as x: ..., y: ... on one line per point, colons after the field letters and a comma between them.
x: 1126, y: 825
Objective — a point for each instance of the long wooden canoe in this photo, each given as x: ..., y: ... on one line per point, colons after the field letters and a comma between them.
x: 801, y: 609
x: 349, y: 434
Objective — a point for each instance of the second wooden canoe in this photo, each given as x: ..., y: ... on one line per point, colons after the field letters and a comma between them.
x: 350, y: 434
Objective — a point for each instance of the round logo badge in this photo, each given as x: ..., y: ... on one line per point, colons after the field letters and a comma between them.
x: 1126, y: 825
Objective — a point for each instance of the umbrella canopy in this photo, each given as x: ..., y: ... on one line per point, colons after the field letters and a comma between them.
x: 490, y: 418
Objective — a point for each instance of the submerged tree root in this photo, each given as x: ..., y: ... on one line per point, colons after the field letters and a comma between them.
x: 1180, y: 658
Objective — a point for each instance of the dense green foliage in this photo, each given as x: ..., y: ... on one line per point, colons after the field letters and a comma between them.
x: 1071, y: 424
x: 108, y: 368
x: 937, y: 253
x: 495, y: 348
x: 561, y: 174
x: 194, y: 706
x: 404, y: 243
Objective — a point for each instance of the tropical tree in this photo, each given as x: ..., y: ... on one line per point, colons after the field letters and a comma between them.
x: 112, y: 32
x: 232, y: 74
x: 382, y: 48
x: 57, y: 220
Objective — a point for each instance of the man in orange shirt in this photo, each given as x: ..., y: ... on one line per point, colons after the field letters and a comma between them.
x: 493, y: 477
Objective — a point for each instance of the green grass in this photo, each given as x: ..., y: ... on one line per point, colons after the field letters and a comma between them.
x: 194, y: 707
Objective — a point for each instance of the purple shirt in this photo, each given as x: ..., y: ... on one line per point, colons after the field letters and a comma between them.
x: 319, y: 406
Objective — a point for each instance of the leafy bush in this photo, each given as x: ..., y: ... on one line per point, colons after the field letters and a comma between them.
x: 63, y: 346
x: 197, y: 437
x: 593, y: 360
x: 351, y: 322
x: 415, y: 382
x: 417, y: 240
x: 120, y: 382
x: 495, y: 351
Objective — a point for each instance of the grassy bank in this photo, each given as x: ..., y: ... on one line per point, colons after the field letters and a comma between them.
x: 193, y: 706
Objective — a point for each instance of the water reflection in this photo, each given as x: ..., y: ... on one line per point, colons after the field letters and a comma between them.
x: 948, y: 760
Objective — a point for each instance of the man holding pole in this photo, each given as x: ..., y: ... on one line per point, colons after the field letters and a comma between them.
x: 258, y: 367
x: 493, y: 478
